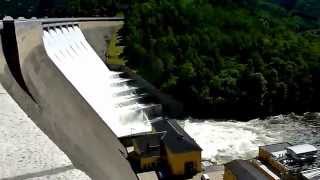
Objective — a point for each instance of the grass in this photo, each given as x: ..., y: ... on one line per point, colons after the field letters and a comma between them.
x: 114, y: 51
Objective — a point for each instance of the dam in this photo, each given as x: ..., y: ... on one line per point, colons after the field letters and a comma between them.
x: 54, y: 70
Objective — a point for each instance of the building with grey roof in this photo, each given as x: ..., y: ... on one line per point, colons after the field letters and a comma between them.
x: 167, y: 147
x: 175, y: 138
x: 302, y: 152
x: 182, y: 153
x: 243, y: 170
x: 275, y: 147
x: 291, y: 161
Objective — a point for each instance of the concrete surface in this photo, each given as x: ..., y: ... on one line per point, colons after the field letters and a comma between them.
x: 150, y: 175
x: 25, y: 151
x: 55, y: 106
x: 214, y: 172
x: 97, y: 33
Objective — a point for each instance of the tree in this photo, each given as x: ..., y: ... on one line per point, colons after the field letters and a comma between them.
x: 224, y: 57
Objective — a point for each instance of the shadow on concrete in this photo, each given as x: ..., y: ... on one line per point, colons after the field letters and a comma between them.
x: 41, y: 173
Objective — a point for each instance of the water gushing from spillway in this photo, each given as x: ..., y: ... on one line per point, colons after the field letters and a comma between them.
x: 223, y: 141
x: 104, y: 90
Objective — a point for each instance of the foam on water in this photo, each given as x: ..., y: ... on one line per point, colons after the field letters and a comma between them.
x: 223, y: 141
x: 75, y: 58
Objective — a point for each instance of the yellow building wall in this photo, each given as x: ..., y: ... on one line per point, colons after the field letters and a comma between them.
x: 146, y: 162
x: 177, y: 161
x: 228, y: 175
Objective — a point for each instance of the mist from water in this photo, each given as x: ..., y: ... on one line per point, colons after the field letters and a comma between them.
x: 223, y: 141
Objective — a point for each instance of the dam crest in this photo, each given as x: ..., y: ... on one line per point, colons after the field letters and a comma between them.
x: 54, y: 69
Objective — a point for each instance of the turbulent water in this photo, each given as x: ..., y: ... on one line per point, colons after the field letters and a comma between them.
x: 223, y: 141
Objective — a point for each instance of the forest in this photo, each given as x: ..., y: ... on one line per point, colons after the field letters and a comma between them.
x: 307, y: 8
x: 220, y: 58
x: 60, y: 8
x: 224, y: 58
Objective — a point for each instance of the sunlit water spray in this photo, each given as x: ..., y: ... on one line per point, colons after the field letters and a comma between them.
x: 223, y: 141
x: 107, y: 93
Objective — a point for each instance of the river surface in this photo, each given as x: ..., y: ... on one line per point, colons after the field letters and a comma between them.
x: 223, y: 141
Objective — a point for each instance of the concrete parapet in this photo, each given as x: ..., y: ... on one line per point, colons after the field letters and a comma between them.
x: 51, y: 101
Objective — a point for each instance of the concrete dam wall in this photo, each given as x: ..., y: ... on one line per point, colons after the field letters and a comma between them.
x: 34, y: 59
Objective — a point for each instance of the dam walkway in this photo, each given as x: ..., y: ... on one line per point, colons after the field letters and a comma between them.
x: 25, y: 151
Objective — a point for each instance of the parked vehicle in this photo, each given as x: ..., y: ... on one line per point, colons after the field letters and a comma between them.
x: 205, y: 177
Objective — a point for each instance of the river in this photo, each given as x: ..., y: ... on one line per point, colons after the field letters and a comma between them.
x: 226, y: 140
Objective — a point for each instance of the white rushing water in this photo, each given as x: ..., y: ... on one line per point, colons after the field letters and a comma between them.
x: 223, y: 141
x: 103, y: 89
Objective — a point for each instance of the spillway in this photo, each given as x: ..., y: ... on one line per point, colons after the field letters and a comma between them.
x: 103, y: 89
x: 53, y: 69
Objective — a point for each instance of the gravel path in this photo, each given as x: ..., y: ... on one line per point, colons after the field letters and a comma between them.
x: 25, y: 151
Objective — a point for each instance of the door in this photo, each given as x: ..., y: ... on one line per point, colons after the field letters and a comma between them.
x: 189, y: 168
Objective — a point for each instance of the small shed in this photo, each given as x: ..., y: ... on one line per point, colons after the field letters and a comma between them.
x: 302, y: 152
x: 144, y: 150
x: 182, y: 153
x: 243, y: 170
x: 148, y: 150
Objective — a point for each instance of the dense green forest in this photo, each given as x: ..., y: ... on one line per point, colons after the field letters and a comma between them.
x: 60, y: 8
x: 309, y: 8
x: 225, y: 58
x: 221, y: 58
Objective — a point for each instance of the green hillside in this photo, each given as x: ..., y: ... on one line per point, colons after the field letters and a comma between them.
x: 308, y: 8
x: 58, y: 8
x: 225, y: 58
